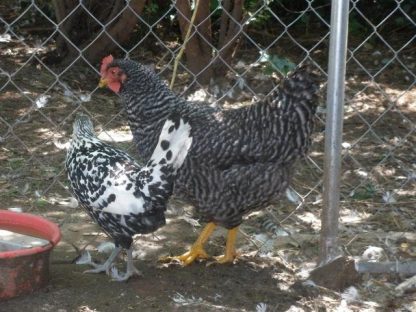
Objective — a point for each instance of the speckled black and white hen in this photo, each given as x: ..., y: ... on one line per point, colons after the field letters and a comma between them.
x: 123, y: 197
x: 241, y: 159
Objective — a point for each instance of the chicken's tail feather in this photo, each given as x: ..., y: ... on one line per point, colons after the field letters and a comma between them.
x: 83, y: 126
x: 301, y: 85
x: 174, y: 142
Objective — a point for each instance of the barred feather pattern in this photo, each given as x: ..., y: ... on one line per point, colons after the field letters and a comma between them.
x: 123, y: 197
x: 240, y: 159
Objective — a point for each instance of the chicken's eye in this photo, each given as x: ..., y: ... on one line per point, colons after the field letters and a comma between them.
x: 113, y: 71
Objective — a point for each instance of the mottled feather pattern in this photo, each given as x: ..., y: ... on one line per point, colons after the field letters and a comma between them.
x: 120, y: 195
x: 240, y: 159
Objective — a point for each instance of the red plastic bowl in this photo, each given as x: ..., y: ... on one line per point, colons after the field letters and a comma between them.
x: 25, y: 270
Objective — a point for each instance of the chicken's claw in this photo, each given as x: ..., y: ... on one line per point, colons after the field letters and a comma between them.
x: 227, y: 258
x: 196, y: 252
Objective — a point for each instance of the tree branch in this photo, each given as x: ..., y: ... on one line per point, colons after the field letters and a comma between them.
x: 185, y: 41
x: 198, y: 49
x: 231, y: 28
x: 224, y: 22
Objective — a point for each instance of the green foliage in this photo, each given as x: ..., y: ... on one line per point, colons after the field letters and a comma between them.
x: 16, y: 163
x: 400, y: 21
x: 151, y: 8
x: 367, y: 191
x: 274, y: 63
x: 258, y: 18
x: 355, y: 28
x: 156, y: 10
x: 32, y: 16
x: 40, y: 203
x: 305, y: 19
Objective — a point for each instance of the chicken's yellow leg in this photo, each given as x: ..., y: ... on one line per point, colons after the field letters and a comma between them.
x: 230, y: 252
x: 197, y: 250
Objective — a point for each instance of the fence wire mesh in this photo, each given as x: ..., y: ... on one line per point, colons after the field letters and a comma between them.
x: 49, y: 71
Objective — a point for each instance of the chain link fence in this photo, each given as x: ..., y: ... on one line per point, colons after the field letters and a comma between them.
x: 46, y: 76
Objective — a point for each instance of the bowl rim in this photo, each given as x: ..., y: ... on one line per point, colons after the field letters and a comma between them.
x: 29, y: 224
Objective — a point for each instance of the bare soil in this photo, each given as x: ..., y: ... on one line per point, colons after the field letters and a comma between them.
x: 163, y: 287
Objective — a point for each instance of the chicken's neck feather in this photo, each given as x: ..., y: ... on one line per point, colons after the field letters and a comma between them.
x: 148, y: 105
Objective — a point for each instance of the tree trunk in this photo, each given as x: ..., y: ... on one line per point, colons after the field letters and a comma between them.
x: 120, y: 31
x: 230, y: 30
x: 203, y: 59
x: 198, y: 49
x: 79, y: 30
x: 62, y: 9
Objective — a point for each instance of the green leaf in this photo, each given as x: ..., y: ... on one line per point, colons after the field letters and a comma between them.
x: 40, y: 202
x: 275, y: 63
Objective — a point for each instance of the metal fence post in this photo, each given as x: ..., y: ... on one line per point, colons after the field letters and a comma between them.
x: 333, y: 130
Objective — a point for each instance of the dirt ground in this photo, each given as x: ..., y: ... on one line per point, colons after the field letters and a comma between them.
x: 163, y: 287
x: 260, y: 280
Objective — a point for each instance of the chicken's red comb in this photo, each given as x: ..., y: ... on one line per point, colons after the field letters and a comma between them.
x: 107, y: 60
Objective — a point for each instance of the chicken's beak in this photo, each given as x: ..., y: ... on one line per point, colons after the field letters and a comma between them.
x: 103, y: 83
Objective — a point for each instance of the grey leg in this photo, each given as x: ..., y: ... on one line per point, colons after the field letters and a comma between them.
x: 106, y: 266
x: 131, y: 269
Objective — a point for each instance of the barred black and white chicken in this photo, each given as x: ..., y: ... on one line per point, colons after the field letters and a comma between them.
x: 240, y: 160
x: 121, y: 196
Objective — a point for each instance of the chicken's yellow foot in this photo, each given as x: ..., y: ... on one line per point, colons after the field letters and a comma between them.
x: 230, y: 253
x: 197, y: 250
